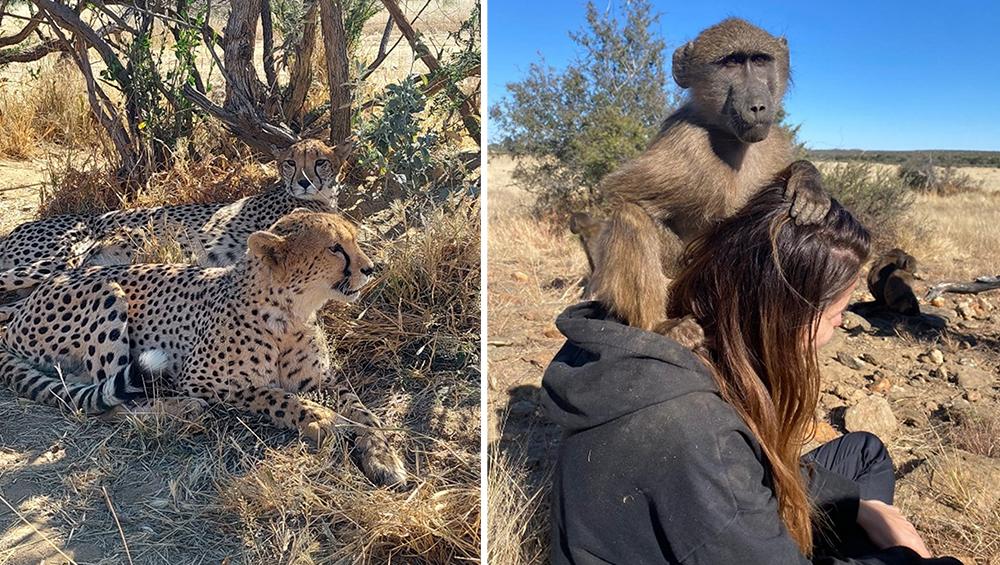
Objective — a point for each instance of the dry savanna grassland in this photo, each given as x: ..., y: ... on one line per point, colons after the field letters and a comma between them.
x: 225, y: 487
x: 929, y: 387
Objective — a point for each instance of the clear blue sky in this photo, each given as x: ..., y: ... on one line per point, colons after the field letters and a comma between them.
x: 868, y: 75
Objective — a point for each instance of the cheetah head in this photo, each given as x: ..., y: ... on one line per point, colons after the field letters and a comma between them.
x: 315, y: 256
x: 310, y: 170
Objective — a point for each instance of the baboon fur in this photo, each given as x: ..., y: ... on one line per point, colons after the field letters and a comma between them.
x: 708, y: 159
x: 891, y: 279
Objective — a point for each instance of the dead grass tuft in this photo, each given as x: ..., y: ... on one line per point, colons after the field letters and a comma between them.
x: 51, y: 108
x: 75, y: 188
x: 518, y: 504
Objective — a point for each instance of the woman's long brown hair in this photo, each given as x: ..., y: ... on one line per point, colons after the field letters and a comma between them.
x: 758, y: 283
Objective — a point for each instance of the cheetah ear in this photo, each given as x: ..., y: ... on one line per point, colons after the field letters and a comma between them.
x: 345, y: 149
x: 270, y: 249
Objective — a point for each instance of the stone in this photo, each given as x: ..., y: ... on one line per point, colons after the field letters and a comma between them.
x: 938, y: 301
x: 882, y: 385
x: 871, y: 414
x: 825, y: 432
x: 973, y: 395
x: 520, y: 277
x: 850, y: 361
x: 933, y: 357
x: 852, y: 321
x: 552, y: 332
x: 870, y: 358
x: 970, y: 378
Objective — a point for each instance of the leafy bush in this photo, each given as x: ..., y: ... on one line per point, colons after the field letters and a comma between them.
x: 874, y: 194
x: 569, y: 128
x: 920, y: 173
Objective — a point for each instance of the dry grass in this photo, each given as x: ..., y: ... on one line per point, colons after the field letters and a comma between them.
x: 91, y: 189
x: 517, y: 498
x: 51, y: 108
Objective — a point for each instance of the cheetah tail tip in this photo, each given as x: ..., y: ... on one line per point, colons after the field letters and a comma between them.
x: 153, y: 360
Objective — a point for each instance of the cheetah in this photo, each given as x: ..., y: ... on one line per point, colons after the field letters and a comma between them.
x: 246, y: 335
x: 209, y: 234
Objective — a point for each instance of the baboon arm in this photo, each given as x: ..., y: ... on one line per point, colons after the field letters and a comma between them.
x: 804, y: 188
x: 629, y: 277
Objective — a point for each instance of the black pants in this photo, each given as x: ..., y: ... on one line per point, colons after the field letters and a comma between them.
x: 862, y: 458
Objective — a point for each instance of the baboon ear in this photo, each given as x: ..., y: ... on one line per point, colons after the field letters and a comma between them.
x: 682, y: 65
x: 270, y: 248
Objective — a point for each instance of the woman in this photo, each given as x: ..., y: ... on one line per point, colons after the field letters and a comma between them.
x: 671, y: 458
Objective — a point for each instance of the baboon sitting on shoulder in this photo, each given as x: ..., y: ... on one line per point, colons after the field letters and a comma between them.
x: 708, y: 159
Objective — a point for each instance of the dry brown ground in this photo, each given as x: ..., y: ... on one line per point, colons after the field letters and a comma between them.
x: 948, y: 442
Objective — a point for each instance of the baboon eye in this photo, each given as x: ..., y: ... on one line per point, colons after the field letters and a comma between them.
x: 760, y: 59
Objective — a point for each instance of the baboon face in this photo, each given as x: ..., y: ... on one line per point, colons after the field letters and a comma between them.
x: 737, y: 74
x: 903, y: 260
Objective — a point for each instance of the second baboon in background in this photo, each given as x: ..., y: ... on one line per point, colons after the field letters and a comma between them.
x: 709, y: 157
x: 890, y: 280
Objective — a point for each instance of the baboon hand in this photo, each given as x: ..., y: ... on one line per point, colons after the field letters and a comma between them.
x: 804, y: 188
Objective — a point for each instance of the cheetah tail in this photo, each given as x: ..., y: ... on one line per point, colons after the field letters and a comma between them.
x: 49, y: 387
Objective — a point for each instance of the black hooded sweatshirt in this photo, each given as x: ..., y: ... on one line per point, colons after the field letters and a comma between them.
x: 654, y: 467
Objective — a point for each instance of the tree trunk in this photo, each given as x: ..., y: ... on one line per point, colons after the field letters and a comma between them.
x: 243, y: 87
x: 300, y: 75
x: 335, y: 41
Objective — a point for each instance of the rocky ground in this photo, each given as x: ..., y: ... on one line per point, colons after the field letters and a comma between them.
x: 928, y: 385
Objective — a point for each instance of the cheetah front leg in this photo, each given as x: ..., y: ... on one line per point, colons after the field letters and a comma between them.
x: 305, y: 367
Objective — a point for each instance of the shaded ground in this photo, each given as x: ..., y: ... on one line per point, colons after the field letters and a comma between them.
x: 943, y: 426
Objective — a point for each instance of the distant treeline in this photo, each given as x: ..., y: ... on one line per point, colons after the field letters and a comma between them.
x: 941, y: 158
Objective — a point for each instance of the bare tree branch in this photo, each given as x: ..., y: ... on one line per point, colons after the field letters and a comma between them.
x: 981, y: 284
x: 32, y: 53
x: 23, y: 34
x: 258, y: 134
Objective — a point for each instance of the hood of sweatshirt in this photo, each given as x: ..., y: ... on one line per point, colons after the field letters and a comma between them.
x: 607, y: 370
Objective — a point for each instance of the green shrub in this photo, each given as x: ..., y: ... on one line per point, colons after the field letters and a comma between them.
x: 569, y: 128
x: 920, y: 173
x: 874, y: 194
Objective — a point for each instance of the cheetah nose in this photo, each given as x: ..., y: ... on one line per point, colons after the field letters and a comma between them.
x: 305, y: 183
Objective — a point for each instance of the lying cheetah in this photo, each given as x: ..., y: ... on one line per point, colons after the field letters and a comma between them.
x: 210, y: 234
x: 244, y: 335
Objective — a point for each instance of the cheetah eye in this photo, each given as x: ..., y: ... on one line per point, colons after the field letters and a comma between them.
x: 289, y: 163
x: 322, y: 162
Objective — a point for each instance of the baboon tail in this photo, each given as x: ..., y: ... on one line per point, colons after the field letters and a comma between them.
x: 47, y: 386
x: 629, y: 278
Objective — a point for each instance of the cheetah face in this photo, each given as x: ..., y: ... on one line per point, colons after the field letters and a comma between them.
x: 314, y: 255
x: 310, y: 170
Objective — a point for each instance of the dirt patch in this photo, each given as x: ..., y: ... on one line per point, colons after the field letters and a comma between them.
x: 535, y: 271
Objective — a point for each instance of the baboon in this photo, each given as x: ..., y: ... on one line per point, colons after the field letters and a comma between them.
x: 890, y: 280
x: 587, y: 228
x: 708, y: 159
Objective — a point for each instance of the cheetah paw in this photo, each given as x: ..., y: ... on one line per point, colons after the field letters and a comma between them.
x: 320, y: 422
